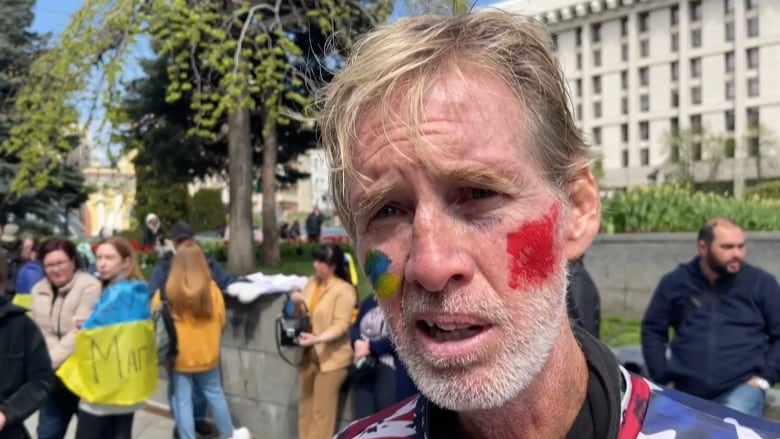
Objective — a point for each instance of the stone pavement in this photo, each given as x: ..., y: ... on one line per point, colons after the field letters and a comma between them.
x: 146, y: 425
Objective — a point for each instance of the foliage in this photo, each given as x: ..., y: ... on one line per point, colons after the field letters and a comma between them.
x: 617, y: 331
x: 677, y: 208
x: 767, y: 191
x: 167, y: 201
x: 205, y: 210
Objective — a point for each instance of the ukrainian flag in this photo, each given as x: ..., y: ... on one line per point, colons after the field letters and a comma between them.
x: 115, y: 358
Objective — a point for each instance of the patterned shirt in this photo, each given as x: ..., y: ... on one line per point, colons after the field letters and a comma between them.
x: 648, y: 412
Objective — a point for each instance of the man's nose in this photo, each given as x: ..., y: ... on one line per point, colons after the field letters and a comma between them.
x: 438, y: 256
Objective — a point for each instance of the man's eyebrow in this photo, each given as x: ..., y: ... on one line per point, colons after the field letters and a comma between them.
x: 479, y: 175
x: 374, y: 194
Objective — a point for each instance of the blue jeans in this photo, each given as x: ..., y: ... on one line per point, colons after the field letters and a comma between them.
x: 56, y: 412
x: 744, y: 398
x: 182, y: 402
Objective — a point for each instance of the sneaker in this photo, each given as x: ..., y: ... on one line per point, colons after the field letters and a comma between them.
x: 241, y: 433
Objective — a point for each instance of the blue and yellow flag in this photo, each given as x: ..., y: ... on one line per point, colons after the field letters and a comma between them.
x: 115, y: 357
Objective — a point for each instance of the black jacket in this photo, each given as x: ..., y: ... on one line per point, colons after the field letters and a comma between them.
x: 26, y: 376
x: 719, y: 344
x: 582, y: 299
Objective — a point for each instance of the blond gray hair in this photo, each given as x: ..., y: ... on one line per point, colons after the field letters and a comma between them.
x: 408, y: 55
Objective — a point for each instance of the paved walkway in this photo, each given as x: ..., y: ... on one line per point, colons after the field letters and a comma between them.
x: 146, y: 425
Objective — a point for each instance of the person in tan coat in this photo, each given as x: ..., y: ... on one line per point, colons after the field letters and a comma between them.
x: 329, y: 298
x: 62, y: 299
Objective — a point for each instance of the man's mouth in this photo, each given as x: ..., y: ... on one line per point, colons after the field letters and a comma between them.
x: 448, y: 332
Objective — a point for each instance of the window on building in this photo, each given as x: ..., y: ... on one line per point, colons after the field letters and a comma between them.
x: 695, y: 122
x: 675, y: 42
x: 752, y: 58
x: 579, y: 61
x: 644, y: 76
x: 694, y: 10
x: 624, y: 80
x: 578, y: 87
x: 729, y: 119
x: 696, y: 38
x: 696, y: 95
x: 696, y: 152
x: 729, y: 147
x: 624, y: 158
x: 578, y: 111
x: 554, y: 39
x: 624, y: 133
x: 728, y: 7
x: 695, y: 67
x: 644, y: 21
x: 596, y: 82
x: 624, y: 105
x: 624, y: 52
x: 753, y: 141
x: 729, y: 31
x: 644, y: 102
x: 578, y: 37
x: 728, y: 59
x: 751, y: 4
x: 753, y: 87
x: 674, y: 15
x: 644, y: 130
x: 595, y: 32
x: 674, y: 71
x: 675, y: 99
x: 674, y: 125
x: 597, y: 58
x: 730, y: 90
x: 624, y: 27
x: 752, y: 27
x: 597, y: 109
x: 644, y: 156
x: 597, y: 135
x: 644, y: 48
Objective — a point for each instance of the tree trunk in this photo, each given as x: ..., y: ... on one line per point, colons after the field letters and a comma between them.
x: 270, y: 229
x: 241, y: 254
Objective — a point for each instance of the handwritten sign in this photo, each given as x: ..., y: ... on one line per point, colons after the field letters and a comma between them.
x: 113, y: 364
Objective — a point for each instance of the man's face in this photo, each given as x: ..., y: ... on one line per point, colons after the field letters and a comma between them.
x: 463, y: 242
x: 727, y: 251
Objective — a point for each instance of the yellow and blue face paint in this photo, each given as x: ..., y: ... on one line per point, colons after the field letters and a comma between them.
x: 377, y: 270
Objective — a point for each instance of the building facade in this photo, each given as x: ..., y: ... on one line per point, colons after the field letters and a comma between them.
x: 639, y: 71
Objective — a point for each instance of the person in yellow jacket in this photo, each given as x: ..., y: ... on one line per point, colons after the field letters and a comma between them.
x: 198, y: 311
x: 329, y: 297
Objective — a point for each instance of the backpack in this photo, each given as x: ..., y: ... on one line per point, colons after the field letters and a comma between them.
x: 165, y: 332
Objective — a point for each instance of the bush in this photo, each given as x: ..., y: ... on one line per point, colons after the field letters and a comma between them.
x: 675, y: 208
x: 205, y: 210
x: 766, y: 191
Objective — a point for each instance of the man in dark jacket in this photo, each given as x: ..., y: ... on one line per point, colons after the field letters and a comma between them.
x: 582, y: 299
x: 181, y: 232
x: 726, y: 318
x: 27, y: 376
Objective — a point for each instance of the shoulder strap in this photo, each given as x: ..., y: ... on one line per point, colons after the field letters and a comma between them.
x: 163, y: 298
x: 708, y: 294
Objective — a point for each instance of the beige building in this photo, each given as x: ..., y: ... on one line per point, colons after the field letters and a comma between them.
x: 110, y: 207
x: 638, y: 70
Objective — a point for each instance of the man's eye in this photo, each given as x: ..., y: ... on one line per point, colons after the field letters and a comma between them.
x: 386, y: 211
x: 478, y: 193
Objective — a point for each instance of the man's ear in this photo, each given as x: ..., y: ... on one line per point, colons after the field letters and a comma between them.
x: 584, y: 215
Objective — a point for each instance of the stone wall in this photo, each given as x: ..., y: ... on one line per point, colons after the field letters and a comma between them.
x: 261, y: 388
x: 627, y: 268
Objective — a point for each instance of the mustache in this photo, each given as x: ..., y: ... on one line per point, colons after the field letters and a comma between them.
x: 483, y: 304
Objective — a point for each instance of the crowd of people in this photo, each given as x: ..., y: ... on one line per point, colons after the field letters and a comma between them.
x: 38, y: 335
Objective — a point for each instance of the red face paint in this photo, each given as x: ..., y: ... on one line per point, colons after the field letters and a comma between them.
x: 531, y: 251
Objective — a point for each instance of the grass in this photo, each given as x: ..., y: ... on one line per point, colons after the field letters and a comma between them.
x: 618, y: 331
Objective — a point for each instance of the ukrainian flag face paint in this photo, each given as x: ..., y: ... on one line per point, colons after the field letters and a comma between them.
x: 377, y: 270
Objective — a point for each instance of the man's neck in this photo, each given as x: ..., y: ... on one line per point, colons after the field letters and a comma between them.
x: 547, y: 408
x: 708, y: 272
